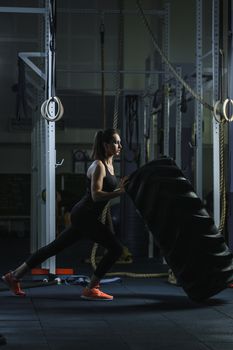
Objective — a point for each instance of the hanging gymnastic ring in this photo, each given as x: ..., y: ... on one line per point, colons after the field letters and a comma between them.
x: 217, y: 115
x: 47, y: 112
x: 45, y: 109
x: 60, y: 109
x: 227, y: 100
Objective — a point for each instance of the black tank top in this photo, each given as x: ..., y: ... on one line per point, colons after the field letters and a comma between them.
x: 109, y: 185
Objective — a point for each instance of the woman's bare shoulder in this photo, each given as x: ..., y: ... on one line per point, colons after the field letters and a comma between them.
x: 96, y: 166
x: 98, y: 162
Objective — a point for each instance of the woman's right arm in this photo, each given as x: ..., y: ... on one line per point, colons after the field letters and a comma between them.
x: 97, y: 178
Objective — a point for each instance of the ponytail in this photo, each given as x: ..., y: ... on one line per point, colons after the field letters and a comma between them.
x: 98, y: 146
x: 101, y: 137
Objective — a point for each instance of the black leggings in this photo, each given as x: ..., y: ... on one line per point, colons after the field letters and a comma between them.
x: 85, y: 226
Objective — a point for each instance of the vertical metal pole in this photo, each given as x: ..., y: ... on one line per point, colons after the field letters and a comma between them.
x: 178, y: 119
x: 147, y: 122
x: 34, y: 185
x: 152, y: 136
x: 141, y: 122
x: 198, y: 105
x: 215, y: 124
x: 166, y: 85
x: 154, y: 116
x: 38, y: 212
x: 166, y: 109
x: 147, y: 109
x: 152, y: 131
x: 50, y: 153
x: 142, y: 128
x: 41, y: 184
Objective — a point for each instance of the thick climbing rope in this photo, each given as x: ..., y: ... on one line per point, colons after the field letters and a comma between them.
x: 106, y: 208
x: 102, y: 46
x: 223, y: 205
x: 119, y: 273
x: 222, y: 182
x: 106, y: 211
x: 119, y: 66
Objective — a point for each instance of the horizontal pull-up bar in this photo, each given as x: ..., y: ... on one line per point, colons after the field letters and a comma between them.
x: 30, y: 10
x: 110, y: 71
x: 108, y: 12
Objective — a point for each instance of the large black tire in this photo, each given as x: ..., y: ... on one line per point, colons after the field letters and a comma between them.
x: 183, y: 229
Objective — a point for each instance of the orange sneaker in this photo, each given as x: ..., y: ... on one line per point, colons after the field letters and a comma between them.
x: 95, y: 294
x: 13, y: 284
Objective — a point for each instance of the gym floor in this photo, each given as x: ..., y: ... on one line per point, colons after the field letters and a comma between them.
x: 146, y: 314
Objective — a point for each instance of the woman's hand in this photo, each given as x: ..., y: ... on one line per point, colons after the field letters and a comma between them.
x: 122, y: 183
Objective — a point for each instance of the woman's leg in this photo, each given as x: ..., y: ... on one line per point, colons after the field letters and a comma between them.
x: 114, y: 250
x: 65, y: 239
x: 102, y: 235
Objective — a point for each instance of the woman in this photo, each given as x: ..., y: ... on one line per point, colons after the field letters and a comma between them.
x: 85, y: 219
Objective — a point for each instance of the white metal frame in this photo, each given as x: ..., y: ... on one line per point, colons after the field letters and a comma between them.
x: 43, y: 147
x: 25, y: 56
